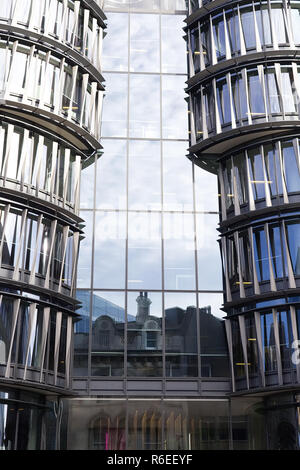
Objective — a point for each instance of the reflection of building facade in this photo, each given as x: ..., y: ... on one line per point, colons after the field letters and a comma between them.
x: 244, y: 101
x: 151, y: 358
x: 50, y: 107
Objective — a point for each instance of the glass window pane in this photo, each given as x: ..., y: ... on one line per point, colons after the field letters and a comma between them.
x: 208, y: 253
x: 81, y: 334
x: 256, y: 97
x: 174, y: 107
x: 109, y: 255
x: 115, y: 44
x: 247, y: 18
x: 219, y: 36
x: 114, y: 121
x: 111, y: 176
x: 268, y: 340
x: 179, y: 251
x: 87, y: 186
x: 144, y: 251
x: 213, y: 343
x: 85, y: 252
x: 291, y: 169
x: 181, y: 340
x: 261, y: 257
x: 293, y: 239
x: 257, y: 178
x: 173, y: 44
x: 108, y: 322
x: 177, y: 177
x: 144, y: 175
x: 278, y: 22
x: 295, y: 16
x: 144, y: 334
x: 144, y: 43
x: 144, y: 106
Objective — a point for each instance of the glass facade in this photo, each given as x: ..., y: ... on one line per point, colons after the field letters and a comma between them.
x: 148, y: 294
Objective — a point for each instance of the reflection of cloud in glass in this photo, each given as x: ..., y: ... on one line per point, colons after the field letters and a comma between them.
x: 144, y: 179
x: 144, y: 43
x: 144, y: 120
x: 215, y: 301
x: 206, y: 189
x: 177, y: 176
x: 114, y: 120
x: 174, y: 57
x: 174, y: 107
x: 209, y: 257
x: 109, y: 256
x: 111, y: 176
x: 116, y: 58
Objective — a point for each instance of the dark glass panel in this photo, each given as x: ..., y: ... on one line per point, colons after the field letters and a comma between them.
x: 261, y: 257
x: 291, y: 167
x: 293, y: 239
x: 268, y: 342
x: 81, y: 334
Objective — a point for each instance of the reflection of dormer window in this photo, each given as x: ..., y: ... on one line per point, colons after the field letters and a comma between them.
x: 151, y: 340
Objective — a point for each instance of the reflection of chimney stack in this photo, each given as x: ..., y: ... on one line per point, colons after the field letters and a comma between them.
x: 143, y: 308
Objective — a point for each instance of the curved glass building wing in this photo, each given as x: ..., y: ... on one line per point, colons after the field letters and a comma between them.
x: 50, y: 109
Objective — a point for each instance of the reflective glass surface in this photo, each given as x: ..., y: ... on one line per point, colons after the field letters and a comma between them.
x: 144, y: 334
x: 108, y: 322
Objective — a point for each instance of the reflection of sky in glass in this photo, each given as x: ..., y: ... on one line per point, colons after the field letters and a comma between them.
x: 115, y: 44
x: 144, y: 43
x: 144, y: 251
x: 155, y: 306
x: 114, y: 122
x: 144, y: 177
x: 215, y: 301
x: 177, y: 177
x: 144, y: 113
x: 179, y: 252
x: 173, y: 44
x: 111, y: 176
x: 85, y: 252
x: 174, y: 107
x: 109, y: 256
x: 208, y: 254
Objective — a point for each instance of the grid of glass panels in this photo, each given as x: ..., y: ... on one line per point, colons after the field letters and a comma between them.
x: 149, y: 274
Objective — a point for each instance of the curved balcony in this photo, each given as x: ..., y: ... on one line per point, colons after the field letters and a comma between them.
x: 263, y: 345
x: 261, y: 257
x: 237, y: 107
x: 73, y: 27
x: 39, y: 166
x: 260, y: 179
x: 35, y: 342
x: 37, y: 249
x: 46, y: 90
x: 239, y: 31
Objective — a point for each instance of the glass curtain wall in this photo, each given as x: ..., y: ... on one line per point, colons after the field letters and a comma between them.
x: 149, y: 275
